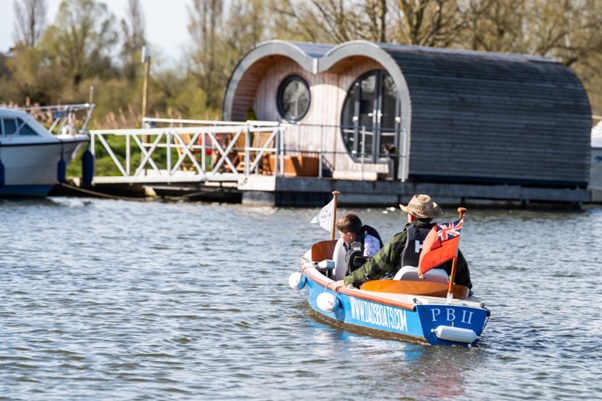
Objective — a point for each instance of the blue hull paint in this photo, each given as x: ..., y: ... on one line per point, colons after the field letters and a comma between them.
x: 356, y: 312
x: 25, y: 191
x: 417, y: 322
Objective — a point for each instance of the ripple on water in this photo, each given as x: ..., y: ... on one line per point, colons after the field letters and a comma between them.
x: 128, y: 300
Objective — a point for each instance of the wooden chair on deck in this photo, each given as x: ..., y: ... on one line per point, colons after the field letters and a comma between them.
x: 240, y: 152
x: 185, y: 165
x: 211, y: 153
x: 233, y: 154
x: 262, y: 141
x: 259, y: 141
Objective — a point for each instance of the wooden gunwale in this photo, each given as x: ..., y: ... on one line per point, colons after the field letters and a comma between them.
x: 392, y: 298
x: 415, y: 287
x: 320, y: 279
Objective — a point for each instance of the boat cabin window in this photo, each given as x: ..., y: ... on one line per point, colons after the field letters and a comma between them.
x: 10, y: 126
x: 14, y: 126
x: 24, y: 128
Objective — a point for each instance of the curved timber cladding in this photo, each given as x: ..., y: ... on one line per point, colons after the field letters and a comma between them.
x: 465, y: 117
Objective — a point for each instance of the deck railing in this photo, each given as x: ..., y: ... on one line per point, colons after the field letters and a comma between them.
x: 63, y: 119
x: 171, y: 150
x: 192, y: 150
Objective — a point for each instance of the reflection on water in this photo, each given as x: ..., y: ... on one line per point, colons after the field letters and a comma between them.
x: 132, y: 300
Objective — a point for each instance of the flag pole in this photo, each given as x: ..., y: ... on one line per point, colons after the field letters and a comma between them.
x: 452, y: 276
x: 334, y: 217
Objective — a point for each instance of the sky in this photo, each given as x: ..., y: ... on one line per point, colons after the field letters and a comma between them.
x: 166, y: 23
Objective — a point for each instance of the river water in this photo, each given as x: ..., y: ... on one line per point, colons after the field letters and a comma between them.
x: 118, y: 300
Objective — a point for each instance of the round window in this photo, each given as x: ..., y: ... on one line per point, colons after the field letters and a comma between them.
x: 293, y: 98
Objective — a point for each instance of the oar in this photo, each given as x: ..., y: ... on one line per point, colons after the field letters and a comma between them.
x: 452, y: 277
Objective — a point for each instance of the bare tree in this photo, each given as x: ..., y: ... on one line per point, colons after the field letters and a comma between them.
x: 435, y: 23
x: 133, y: 31
x: 30, y: 22
x: 246, y: 22
x: 331, y: 21
x: 568, y: 30
x: 245, y: 27
x: 205, y: 25
x: 293, y: 21
x: 376, y: 11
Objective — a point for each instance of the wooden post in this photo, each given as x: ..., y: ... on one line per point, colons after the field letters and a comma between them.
x: 452, y: 276
x: 334, y: 217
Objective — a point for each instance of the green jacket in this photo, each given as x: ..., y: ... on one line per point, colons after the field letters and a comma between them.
x: 388, y: 259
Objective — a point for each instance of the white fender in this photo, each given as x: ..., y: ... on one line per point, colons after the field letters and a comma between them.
x: 456, y: 334
x: 296, y: 281
x: 327, y: 302
x: 338, y: 255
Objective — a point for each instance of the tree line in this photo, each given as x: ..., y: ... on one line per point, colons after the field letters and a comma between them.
x: 57, y: 62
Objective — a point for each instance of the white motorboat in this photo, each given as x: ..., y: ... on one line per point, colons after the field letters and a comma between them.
x: 34, y: 158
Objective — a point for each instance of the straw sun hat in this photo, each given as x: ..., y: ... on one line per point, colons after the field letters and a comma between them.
x: 422, y: 207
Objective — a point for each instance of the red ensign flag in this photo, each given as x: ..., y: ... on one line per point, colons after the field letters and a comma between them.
x: 440, y: 245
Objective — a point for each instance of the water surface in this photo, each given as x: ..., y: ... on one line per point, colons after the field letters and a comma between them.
x: 117, y: 300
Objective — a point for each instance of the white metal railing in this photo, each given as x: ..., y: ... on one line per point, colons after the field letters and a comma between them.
x: 170, y: 150
x: 63, y: 119
x: 296, y: 136
x: 186, y: 149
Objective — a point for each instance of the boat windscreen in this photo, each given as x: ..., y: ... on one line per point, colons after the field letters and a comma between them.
x: 24, y: 128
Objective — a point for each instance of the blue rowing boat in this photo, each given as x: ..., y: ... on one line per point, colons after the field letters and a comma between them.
x: 421, y: 310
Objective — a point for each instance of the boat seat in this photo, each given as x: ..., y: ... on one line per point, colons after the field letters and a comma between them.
x: 411, y: 273
x: 322, y: 250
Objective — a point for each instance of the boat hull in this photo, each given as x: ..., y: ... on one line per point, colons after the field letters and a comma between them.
x: 32, y: 169
x: 422, y: 318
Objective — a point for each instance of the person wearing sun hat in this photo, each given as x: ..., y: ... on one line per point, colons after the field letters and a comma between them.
x: 422, y: 207
x: 404, y: 248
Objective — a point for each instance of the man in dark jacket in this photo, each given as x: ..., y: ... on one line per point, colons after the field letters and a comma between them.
x: 404, y: 248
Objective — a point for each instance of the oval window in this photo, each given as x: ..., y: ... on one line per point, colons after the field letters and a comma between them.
x: 293, y: 98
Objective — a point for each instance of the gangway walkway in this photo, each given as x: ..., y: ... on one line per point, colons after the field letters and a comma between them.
x: 253, y: 161
x: 171, y: 151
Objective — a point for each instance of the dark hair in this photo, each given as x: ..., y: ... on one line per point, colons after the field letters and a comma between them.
x: 349, y: 223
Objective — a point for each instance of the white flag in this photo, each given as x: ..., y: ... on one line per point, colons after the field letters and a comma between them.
x: 325, y: 217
